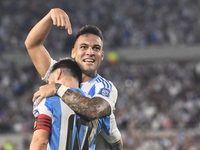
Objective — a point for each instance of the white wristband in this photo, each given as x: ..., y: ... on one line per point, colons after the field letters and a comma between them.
x: 61, y: 90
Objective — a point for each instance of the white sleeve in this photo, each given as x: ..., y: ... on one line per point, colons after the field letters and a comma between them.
x: 110, y: 93
x: 46, y: 77
x: 103, y: 139
x: 41, y: 109
x: 115, y: 135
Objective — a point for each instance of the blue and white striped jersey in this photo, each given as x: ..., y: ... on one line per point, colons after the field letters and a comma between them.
x: 100, y: 87
x: 68, y: 130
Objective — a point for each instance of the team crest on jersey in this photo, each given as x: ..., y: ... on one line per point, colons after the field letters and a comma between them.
x: 77, y: 91
x: 105, y: 92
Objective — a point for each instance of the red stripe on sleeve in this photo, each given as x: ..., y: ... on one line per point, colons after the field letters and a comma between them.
x: 43, y: 122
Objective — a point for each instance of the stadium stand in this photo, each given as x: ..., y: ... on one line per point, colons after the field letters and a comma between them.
x: 159, y: 102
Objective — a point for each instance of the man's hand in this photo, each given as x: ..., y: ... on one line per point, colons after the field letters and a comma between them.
x: 61, y: 19
x: 44, y: 91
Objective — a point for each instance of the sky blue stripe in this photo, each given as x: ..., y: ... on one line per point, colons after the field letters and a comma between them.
x: 107, y: 85
x: 110, y: 85
x: 53, y: 103
x: 97, y: 80
x: 92, y: 91
x: 101, y: 79
x: 94, y: 78
x: 106, y: 125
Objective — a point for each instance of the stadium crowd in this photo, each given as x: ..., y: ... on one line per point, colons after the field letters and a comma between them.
x: 153, y: 96
x: 156, y: 96
x: 138, y: 23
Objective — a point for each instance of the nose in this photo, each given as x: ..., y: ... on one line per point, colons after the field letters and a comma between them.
x: 90, y: 51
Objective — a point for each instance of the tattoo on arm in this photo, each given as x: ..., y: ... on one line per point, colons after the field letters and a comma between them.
x: 117, y: 146
x: 91, y: 108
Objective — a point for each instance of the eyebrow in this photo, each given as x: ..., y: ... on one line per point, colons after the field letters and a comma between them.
x: 92, y: 46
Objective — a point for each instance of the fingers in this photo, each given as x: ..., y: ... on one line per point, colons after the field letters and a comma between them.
x: 61, y: 20
x: 44, y: 91
x: 39, y: 100
x: 35, y: 96
x: 39, y: 97
x: 68, y: 25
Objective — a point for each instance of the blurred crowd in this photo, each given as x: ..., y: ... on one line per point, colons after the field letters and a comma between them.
x: 138, y: 23
x: 17, y: 89
x: 153, y: 96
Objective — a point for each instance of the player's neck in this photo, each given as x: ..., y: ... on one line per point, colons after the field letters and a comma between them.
x: 69, y: 82
x: 88, y: 77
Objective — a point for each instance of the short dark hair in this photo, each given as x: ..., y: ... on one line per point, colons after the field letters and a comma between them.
x: 71, y: 66
x: 89, y: 29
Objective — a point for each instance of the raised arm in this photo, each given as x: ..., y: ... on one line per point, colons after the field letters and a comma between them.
x: 36, y: 37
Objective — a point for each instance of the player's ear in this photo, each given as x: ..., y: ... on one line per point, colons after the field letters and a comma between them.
x: 102, y: 55
x: 58, y: 73
x: 73, y: 53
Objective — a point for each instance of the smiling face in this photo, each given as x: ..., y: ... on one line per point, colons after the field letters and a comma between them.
x: 88, y: 53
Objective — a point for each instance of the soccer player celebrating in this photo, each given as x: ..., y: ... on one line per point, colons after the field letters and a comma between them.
x: 88, y: 53
x: 57, y: 126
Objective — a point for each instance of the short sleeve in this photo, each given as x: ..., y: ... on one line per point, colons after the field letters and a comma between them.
x: 43, y: 116
x: 114, y: 134
x: 46, y: 77
x: 107, y: 91
x: 42, y: 108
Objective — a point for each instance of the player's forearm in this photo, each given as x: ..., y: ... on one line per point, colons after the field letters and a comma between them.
x: 38, y: 145
x: 91, y: 108
x: 34, y: 44
x: 117, y: 146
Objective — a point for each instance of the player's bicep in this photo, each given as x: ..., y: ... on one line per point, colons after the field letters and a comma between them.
x: 40, y: 58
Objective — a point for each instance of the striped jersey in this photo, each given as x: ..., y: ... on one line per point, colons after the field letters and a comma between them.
x: 100, y: 87
x: 68, y: 131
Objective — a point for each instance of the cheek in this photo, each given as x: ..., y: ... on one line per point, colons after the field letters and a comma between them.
x: 79, y: 54
x: 100, y: 56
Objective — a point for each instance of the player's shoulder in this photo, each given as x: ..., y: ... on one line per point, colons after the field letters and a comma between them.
x: 52, y: 98
x: 100, y: 79
x: 50, y: 101
x: 105, y: 83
